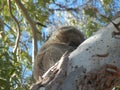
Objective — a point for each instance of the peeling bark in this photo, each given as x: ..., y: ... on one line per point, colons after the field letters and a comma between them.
x: 54, y: 77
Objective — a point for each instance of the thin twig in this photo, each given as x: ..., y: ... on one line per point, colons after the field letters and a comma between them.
x: 8, y: 26
x: 18, y: 27
x: 38, y: 23
x: 2, y: 6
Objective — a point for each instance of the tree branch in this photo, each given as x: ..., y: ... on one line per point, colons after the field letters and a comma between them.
x: 38, y: 23
x: 32, y: 25
x: 62, y: 7
x: 18, y: 27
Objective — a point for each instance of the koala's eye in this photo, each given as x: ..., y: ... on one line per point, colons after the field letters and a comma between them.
x: 73, y: 44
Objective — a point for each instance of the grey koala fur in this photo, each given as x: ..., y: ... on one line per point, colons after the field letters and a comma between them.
x: 66, y: 38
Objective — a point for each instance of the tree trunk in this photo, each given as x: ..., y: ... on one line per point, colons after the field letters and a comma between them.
x: 94, y: 65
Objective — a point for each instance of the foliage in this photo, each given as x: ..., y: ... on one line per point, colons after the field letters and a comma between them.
x: 14, y: 67
x: 87, y: 15
x: 10, y: 67
x: 117, y: 88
